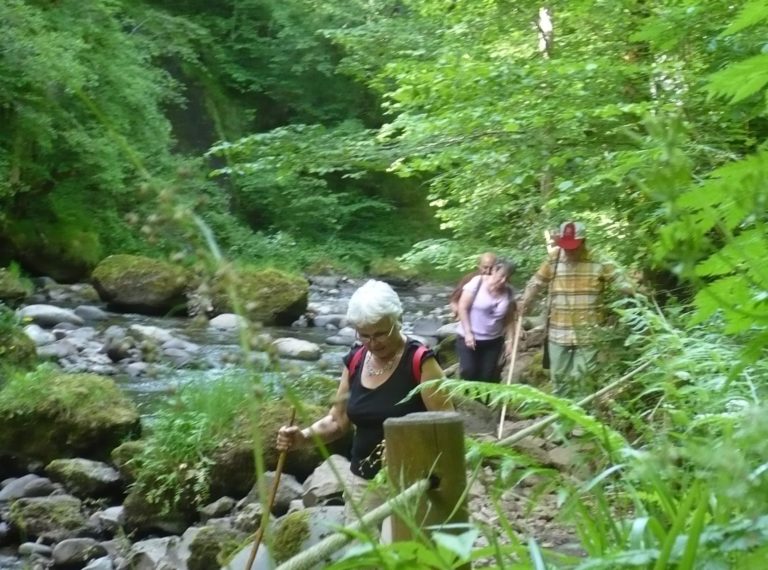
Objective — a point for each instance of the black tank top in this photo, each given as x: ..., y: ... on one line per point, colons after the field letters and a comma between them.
x: 367, y: 409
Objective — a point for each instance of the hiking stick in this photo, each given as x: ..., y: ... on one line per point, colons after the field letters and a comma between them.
x: 508, y: 379
x: 271, y: 502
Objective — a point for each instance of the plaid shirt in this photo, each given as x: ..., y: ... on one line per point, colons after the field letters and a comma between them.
x: 575, y: 289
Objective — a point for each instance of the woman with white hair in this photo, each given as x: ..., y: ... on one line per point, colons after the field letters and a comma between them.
x: 377, y: 377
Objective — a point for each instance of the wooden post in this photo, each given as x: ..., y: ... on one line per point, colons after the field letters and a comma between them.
x: 422, y: 445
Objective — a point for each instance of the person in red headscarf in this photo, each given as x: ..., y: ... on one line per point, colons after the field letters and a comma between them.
x: 576, y: 282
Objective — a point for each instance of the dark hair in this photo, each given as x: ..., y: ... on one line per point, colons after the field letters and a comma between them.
x: 506, y: 265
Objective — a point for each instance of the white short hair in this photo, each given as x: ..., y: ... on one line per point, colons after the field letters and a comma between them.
x: 372, y: 302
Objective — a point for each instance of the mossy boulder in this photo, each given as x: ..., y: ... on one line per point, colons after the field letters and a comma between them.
x: 291, y: 534
x: 52, y: 518
x: 392, y: 271
x: 46, y: 415
x: 53, y: 247
x: 13, y: 289
x: 211, y: 546
x: 124, y: 458
x: 145, y: 517
x: 141, y: 284
x: 268, y: 296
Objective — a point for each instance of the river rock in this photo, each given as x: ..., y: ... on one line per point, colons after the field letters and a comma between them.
x: 90, y: 313
x: 28, y: 549
x: 324, y: 483
x: 29, y: 485
x: 178, y: 357
x: 154, y: 554
x: 141, y: 284
x: 296, y: 533
x: 228, y: 321
x: 110, y: 520
x: 208, y: 544
x: 338, y: 321
x: 288, y: 489
x: 85, y: 477
x: 52, y: 518
x: 145, y: 517
x: 58, y: 350
x: 325, y: 281
x: 446, y: 330
x: 103, y: 563
x: 268, y: 296
x: 75, y: 415
x: 295, y: 348
x: 248, y: 519
x: 38, y: 335
x: 156, y: 334
x: 219, y: 508
x: 426, y: 326
x: 77, y: 551
x: 49, y: 315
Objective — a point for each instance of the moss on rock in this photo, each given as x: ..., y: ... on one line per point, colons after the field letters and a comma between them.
x: 268, y: 296
x: 125, y: 458
x: 211, y: 547
x: 141, y: 284
x: 53, y: 518
x: 144, y: 516
x: 56, y: 248
x: 290, y: 536
x: 47, y: 415
x: 13, y: 289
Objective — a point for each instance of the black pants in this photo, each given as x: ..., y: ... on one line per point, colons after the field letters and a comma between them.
x: 482, y: 363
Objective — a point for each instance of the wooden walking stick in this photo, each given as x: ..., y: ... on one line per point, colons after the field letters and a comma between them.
x: 508, y: 379
x: 270, y: 503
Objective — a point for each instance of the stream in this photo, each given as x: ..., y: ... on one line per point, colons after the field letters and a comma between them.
x: 215, y: 351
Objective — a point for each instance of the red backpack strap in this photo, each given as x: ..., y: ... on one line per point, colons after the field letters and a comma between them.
x: 418, y: 356
x: 354, y: 362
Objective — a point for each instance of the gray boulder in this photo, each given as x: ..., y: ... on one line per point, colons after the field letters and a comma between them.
x: 77, y: 551
x: 29, y: 485
x: 53, y: 518
x: 288, y: 490
x: 49, y: 315
x: 324, y: 483
x: 297, y: 348
x: 85, y: 477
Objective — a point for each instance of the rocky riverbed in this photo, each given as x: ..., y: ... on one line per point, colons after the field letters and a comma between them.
x: 78, y: 512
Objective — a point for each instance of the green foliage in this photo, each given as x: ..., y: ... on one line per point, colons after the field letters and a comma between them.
x: 16, y: 349
x: 174, y: 465
x: 47, y: 389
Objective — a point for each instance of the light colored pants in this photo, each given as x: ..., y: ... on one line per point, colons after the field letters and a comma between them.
x: 359, y: 492
x: 568, y: 367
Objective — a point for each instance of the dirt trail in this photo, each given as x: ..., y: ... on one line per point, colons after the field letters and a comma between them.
x: 530, y: 512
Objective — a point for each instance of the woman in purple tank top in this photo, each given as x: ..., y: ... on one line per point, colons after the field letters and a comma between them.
x: 487, y: 312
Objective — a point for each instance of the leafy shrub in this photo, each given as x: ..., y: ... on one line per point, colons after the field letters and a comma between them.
x: 174, y: 464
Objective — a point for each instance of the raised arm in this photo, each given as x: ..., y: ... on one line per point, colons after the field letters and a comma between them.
x: 539, y: 281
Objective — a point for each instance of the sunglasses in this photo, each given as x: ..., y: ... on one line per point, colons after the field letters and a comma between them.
x: 368, y: 338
